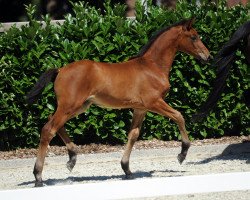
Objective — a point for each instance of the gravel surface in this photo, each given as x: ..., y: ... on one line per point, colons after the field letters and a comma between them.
x: 102, y: 148
x: 148, y: 160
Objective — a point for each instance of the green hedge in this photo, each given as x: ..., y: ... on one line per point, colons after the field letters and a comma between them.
x: 87, y: 34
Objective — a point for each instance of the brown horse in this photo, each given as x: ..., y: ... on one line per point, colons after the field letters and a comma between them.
x: 140, y: 83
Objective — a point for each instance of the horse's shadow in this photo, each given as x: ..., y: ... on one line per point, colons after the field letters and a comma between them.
x: 240, y: 151
x: 73, y: 179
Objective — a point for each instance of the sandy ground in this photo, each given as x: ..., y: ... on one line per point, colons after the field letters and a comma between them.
x: 146, y: 163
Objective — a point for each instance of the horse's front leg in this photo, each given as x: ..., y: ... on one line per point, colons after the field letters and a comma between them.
x: 134, y: 132
x: 162, y: 108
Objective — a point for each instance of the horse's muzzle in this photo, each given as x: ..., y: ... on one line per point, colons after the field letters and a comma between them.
x: 205, y: 58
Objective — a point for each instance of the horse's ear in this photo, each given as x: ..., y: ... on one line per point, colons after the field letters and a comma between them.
x: 188, y: 25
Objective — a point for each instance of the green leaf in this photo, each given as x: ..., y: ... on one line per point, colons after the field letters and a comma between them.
x: 50, y: 106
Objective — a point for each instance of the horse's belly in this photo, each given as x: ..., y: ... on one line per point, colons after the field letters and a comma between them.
x: 115, y: 103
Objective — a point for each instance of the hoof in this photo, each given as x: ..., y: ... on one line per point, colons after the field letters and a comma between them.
x: 38, y: 184
x: 181, y: 158
x: 72, y: 160
x: 129, y: 177
x: 70, y: 165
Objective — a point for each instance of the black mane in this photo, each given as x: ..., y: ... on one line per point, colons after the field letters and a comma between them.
x: 155, y: 36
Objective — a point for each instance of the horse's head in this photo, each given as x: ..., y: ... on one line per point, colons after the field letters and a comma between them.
x: 190, y: 42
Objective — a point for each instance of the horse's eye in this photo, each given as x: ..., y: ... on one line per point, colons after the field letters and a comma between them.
x: 193, y: 38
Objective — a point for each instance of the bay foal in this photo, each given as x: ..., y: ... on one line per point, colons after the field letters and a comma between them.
x: 140, y: 83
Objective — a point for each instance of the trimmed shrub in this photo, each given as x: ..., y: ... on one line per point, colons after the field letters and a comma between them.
x: 110, y: 37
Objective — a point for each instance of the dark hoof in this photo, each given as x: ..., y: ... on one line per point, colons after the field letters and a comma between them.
x: 181, y: 158
x: 129, y: 177
x: 70, y: 165
x: 38, y: 184
x: 72, y: 160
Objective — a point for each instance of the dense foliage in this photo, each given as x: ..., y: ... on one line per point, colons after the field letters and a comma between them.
x: 88, y: 34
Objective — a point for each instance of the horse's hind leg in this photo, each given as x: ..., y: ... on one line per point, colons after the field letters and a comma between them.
x: 48, y: 132
x: 162, y: 108
x: 138, y: 117
x: 72, y: 149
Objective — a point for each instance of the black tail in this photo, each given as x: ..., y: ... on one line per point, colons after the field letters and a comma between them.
x: 45, y: 78
x: 224, y: 59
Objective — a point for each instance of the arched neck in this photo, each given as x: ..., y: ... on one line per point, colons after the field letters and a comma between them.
x: 162, y: 51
